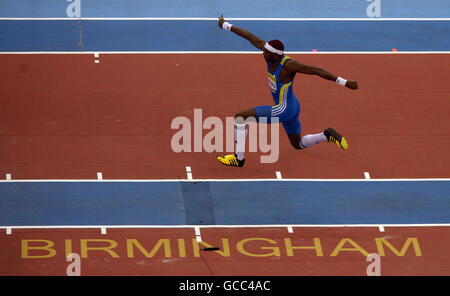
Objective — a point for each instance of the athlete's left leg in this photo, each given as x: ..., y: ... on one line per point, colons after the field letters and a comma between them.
x: 293, y: 130
x: 299, y: 142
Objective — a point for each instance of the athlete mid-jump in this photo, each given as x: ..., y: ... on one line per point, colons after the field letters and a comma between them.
x: 281, y: 72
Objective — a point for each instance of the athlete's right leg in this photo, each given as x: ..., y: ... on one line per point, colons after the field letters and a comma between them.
x: 237, y: 159
x: 246, y: 114
x: 240, y: 134
x: 241, y: 131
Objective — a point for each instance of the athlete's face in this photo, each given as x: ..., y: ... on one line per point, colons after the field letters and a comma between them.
x: 270, y: 57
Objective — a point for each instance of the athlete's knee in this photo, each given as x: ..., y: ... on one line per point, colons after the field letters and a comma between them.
x: 296, y: 146
x: 239, y: 115
x: 295, y: 142
x: 239, y: 118
x: 244, y: 116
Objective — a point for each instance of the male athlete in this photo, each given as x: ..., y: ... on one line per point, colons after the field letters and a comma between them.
x: 281, y: 73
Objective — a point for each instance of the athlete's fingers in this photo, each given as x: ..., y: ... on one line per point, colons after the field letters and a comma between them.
x: 352, y: 84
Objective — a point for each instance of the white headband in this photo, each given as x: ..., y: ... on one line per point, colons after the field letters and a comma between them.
x: 273, y: 50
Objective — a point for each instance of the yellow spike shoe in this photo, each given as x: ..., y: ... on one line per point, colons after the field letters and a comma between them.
x: 336, y: 138
x: 231, y: 160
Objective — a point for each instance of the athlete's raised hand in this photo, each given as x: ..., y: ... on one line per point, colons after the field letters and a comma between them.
x: 351, y: 84
x: 221, y: 20
x: 254, y: 40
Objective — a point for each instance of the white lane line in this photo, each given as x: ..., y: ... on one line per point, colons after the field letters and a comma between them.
x: 215, y: 19
x: 381, y: 228
x: 290, y: 229
x: 99, y: 176
x: 223, y: 226
x: 8, y: 231
x: 96, y: 56
x: 367, y: 175
x: 189, y: 173
x: 236, y: 180
x: 103, y: 230
x: 278, y: 174
x: 225, y: 52
x: 8, y: 177
x: 198, y: 236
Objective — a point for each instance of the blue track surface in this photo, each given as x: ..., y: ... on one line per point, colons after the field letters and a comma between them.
x: 113, y: 35
x: 234, y: 8
x: 224, y: 203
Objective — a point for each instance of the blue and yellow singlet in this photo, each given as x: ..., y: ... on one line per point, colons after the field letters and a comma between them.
x: 287, y: 107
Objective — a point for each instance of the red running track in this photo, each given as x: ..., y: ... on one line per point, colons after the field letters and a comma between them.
x: 243, y: 251
x: 66, y: 117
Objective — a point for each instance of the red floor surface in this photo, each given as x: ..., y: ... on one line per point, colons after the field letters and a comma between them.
x: 244, y: 251
x: 65, y: 117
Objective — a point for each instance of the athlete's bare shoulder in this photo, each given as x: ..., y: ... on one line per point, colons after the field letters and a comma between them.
x: 293, y: 65
x: 288, y: 72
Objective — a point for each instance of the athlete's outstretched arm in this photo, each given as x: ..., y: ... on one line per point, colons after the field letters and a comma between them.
x: 295, y: 66
x: 254, y: 40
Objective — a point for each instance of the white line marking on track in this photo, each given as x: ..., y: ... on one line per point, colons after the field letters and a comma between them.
x: 381, y: 228
x: 8, y: 231
x: 224, y: 52
x: 103, y: 230
x: 236, y: 180
x: 222, y: 226
x: 189, y: 173
x: 278, y: 174
x: 213, y: 19
x: 96, y: 61
x: 367, y: 175
x: 198, y: 236
x: 99, y: 176
x: 8, y: 177
x: 290, y: 229
x: 96, y: 55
